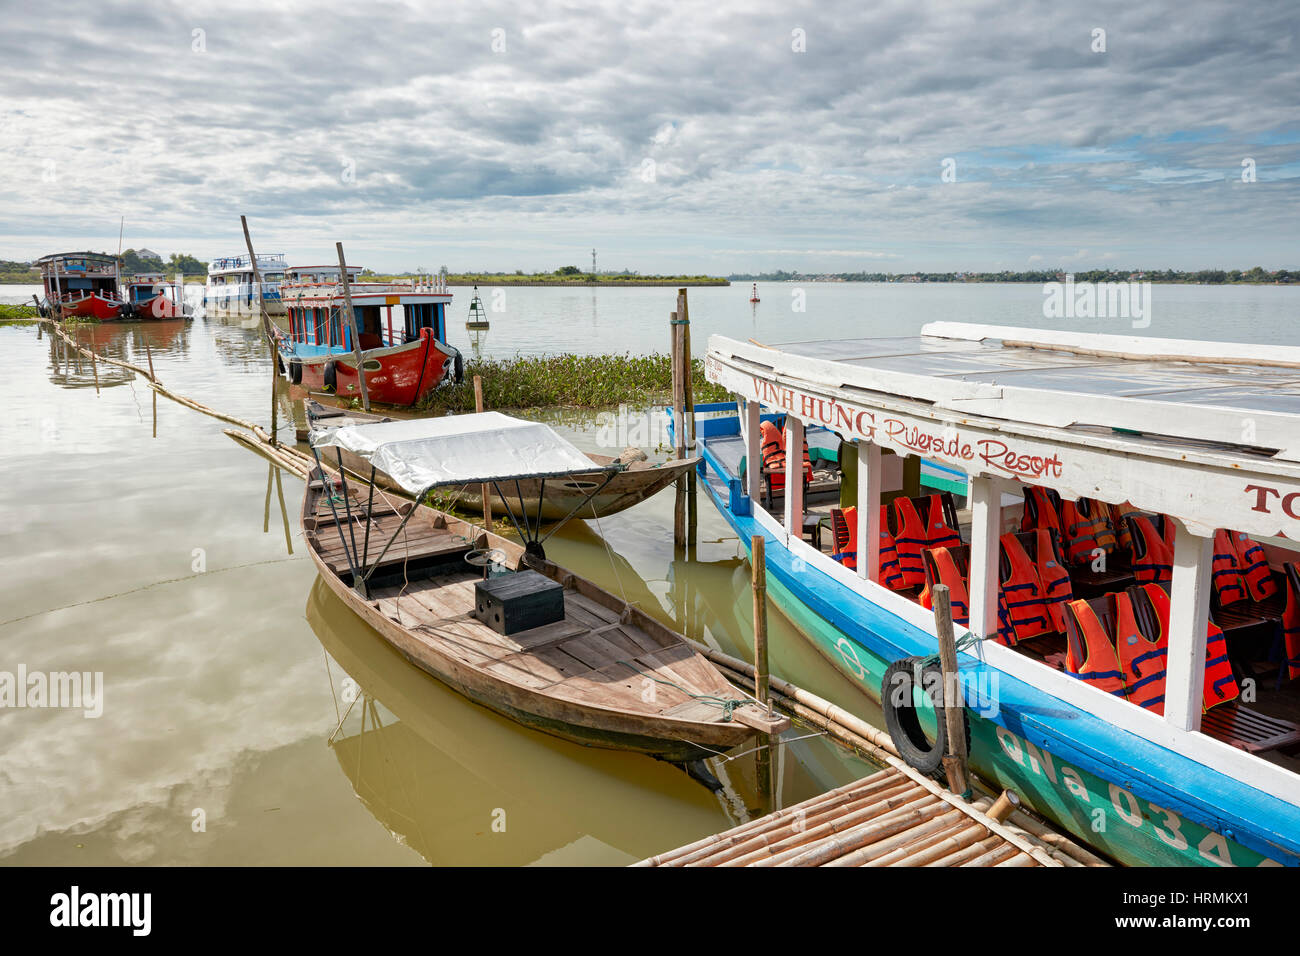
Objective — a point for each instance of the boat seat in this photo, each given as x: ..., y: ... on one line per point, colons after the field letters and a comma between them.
x: 1250, y: 730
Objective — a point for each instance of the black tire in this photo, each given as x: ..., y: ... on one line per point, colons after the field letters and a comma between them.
x: 295, y: 372
x: 331, y: 377
x: 902, y: 719
x: 458, y: 368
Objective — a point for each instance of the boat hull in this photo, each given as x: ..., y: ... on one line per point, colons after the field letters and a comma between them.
x: 1095, y: 783
x: 400, y: 375
x: 92, y: 307
x: 158, y: 307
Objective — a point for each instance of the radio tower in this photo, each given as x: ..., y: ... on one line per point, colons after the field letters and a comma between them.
x: 593, y: 261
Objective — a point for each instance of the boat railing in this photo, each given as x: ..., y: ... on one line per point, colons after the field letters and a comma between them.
x: 424, y: 285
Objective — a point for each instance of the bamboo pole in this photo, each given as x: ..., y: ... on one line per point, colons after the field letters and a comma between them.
x: 148, y: 352
x: 356, y: 331
x: 1003, y: 805
x: 954, y: 761
x: 483, y: 488
x: 257, y: 282
x: 763, y: 753
x: 275, y: 383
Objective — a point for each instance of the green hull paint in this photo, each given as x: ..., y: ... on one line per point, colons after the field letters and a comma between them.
x: 1101, y: 813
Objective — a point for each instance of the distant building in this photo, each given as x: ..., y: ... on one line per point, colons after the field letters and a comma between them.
x: 148, y: 254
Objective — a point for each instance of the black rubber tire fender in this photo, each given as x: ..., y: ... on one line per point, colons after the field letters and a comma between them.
x: 902, y: 719
x: 458, y: 368
x: 331, y: 377
x: 295, y: 371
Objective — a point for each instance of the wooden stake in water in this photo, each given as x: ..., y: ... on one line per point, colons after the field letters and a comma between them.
x: 483, y: 489
x: 264, y: 319
x: 688, y: 412
x: 275, y: 382
x: 352, y: 322
x: 763, y: 755
x: 679, y: 429
x: 954, y: 761
x: 148, y: 353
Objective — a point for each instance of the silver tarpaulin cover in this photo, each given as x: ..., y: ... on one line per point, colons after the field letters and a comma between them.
x: 459, y: 449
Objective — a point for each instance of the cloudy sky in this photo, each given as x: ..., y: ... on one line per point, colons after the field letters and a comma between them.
x: 718, y: 137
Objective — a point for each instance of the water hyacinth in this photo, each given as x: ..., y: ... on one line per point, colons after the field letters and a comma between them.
x: 588, y: 381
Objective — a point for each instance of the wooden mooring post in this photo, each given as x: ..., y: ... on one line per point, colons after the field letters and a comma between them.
x: 954, y: 760
x: 762, y: 689
x: 679, y: 427
x: 356, y: 330
x: 263, y: 318
x: 688, y: 414
x: 483, y: 488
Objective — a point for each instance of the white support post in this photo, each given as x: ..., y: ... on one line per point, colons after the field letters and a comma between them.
x: 1189, y: 612
x: 793, y: 478
x: 870, y: 478
x: 986, y: 530
x: 753, y: 449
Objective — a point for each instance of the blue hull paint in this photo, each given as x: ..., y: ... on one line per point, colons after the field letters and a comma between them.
x: 1250, y: 818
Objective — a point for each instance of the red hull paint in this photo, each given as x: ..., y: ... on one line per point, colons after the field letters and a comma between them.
x: 405, y: 375
x: 93, y: 307
x: 159, y: 307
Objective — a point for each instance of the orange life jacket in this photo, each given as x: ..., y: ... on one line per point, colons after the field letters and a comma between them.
x: 1095, y: 661
x: 956, y: 582
x: 773, y: 452
x: 1039, y: 511
x: 1056, y: 590
x: 1253, y: 564
x: 910, y: 541
x: 938, y: 533
x: 1291, y: 627
x: 846, y: 537
x: 1220, y: 685
x: 1021, y: 593
x: 1079, y: 531
x: 1153, y: 554
x: 1117, y: 513
x: 1103, y: 529
x: 1143, y: 660
x: 1229, y: 586
x: 891, y: 572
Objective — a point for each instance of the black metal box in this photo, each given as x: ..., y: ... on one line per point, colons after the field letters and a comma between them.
x: 519, y: 601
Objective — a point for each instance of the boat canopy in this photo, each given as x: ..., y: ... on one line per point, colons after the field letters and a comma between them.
x: 425, y: 453
x: 1208, y: 432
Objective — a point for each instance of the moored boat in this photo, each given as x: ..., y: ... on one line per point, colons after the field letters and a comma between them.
x: 151, y: 296
x: 82, y: 285
x: 594, y: 494
x: 496, y: 621
x: 1126, y: 569
x: 405, y: 356
x: 231, y: 289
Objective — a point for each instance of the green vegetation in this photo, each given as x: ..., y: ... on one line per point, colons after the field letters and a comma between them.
x: 588, y: 381
x: 18, y: 273
x: 1256, y: 276
x: 10, y: 313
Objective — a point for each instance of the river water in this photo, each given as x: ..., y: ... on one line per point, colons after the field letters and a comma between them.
x: 249, y: 718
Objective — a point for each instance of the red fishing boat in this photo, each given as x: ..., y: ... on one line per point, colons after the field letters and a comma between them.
x: 151, y: 296
x: 81, y: 284
x: 404, y: 355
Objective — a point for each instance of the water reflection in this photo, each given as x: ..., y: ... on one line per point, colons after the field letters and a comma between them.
x: 134, y: 343
x: 460, y: 784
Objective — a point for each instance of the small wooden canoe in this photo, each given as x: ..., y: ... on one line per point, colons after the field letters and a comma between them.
x: 605, y: 675
x: 559, y: 496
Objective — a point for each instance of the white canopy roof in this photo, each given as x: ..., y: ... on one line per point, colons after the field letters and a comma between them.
x: 423, y: 453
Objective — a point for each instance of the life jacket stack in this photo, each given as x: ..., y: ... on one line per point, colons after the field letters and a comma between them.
x: 1291, y: 621
x: 772, y: 448
x: 945, y: 567
x: 1084, y: 525
x: 1240, y: 570
x: 1032, y: 593
x: 913, y: 536
x: 1126, y: 660
x: 1153, y: 554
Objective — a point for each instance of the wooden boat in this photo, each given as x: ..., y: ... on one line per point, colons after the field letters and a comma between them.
x: 150, y: 296
x: 81, y: 285
x: 602, y: 673
x: 231, y: 290
x: 402, y: 362
x: 553, y: 499
x: 1199, y: 436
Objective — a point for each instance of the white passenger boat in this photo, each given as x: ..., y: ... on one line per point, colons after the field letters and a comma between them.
x: 1153, y: 709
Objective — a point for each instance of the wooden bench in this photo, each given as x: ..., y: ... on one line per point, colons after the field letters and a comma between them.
x: 1249, y: 730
